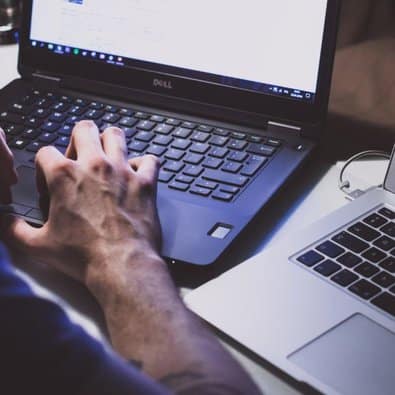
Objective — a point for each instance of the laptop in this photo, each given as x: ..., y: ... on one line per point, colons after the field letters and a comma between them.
x: 320, y: 305
x: 231, y: 96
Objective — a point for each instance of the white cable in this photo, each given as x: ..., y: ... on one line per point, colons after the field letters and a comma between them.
x: 343, y: 185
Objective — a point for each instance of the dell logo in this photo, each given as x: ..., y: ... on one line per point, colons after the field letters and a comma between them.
x: 164, y: 84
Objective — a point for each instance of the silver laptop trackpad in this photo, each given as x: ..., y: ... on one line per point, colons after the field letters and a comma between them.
x: 355, y: 357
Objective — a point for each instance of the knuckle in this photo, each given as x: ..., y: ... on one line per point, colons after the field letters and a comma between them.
x: 100, y: 164
x: 146, y: 185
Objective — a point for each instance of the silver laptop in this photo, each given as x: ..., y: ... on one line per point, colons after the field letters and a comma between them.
x: 320, y: 305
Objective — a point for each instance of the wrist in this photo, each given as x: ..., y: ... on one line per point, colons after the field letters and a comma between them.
x: 120, y: 275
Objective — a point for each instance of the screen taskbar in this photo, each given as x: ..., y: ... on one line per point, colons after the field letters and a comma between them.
x: 120, y: 61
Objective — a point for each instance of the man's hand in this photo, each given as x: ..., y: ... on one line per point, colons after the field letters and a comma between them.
x: 100, y: 208
x: 8, y: 176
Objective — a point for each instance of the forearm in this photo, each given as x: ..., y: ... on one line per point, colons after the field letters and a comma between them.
x: 150, y: 326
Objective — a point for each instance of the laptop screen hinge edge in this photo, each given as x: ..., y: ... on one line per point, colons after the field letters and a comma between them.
x: 286, y: 127
x: 46, y: 81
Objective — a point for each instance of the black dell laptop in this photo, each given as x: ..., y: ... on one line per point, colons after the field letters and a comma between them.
x: 231, y: 96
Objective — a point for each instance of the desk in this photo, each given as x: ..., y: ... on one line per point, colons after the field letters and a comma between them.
x: 305, y: 199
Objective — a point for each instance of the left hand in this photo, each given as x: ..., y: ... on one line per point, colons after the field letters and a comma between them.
x: 8, y: 176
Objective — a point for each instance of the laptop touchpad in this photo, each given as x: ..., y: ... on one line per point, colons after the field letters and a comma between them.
x: 356, y: 357
x: 25, y: 192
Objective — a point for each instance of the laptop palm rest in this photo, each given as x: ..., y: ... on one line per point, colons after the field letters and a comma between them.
x: 356, y: 357
x: 25, y: 192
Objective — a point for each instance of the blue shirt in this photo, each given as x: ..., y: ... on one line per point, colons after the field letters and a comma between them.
x: 42, y: 352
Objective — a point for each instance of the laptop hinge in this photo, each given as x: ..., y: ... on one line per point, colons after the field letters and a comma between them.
x: 286, y: 127
x: 46, y: 81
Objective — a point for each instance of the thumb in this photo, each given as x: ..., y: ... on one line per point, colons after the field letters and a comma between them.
x: 18, y: 234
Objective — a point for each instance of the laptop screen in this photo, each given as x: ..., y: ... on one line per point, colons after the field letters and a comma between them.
x: 266, y: 46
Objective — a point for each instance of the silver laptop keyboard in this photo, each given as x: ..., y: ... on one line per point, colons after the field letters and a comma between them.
x: 360, y: 258
x: 198, y: 159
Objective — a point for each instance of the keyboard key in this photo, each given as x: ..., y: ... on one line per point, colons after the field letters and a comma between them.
x: 30, y: 134
x: 349, y: 260
x: 188, y: 125
x: 50, y: 127
x: 344, y: 278
x: 389, y: 229
x: 164, y: 129
x: 364, y: 289
x: 366, y: 269
x: 72, y: 120
x: 180, y: 186
x: 273, y: 142
x: 33, y: 122
x: 238, y: 135
x: 77, y: 111
x: 173, y: 166
x: 35, y: 146
x: 173, y: 122
x: 111, y: 118
x: 218, y: 152
x: 200, y: 137
x: 225, y: 197
x: 327, y: 268
x: 138, y: 146
x: 145, y: 125
x: 181, y: 144
x: 12, y: 118
x: 388, y: 264
x: 96, y: 106
x: 375, y: 220
x: 253, y: 165
x: 81, y: 102
x: 62, y: 141
x: 47, y: 138
x: 41, y: 113
x: 94, y: 115
x: 219, y: 141
x: 144, y: 136
x: 225, y: 178
x: 165, y: 176
x: 66, y: 130
x: 212, y: 163
x: 221, y: 132
x: 174, y: 154
x: 254, y: 139
x: 129, y: 132
x: 19, y: 143
x: 13, y: 130
x: 112, y: 109
x: 386, y: 212
x: 157, y: 118
x: 384, y: 279
x: 58, y: 117
x: 193, y: 171
x: 330, y: 249
x: 199, y: 148
x: 229, y: 189
x: 261, y: 149
x: 126, y: 112
x: 163, y: 140
x: 200, y: 191
x: 310, y: 258
x: 374, y: 255
x: 238, y: 145
x: 238, y: 156
x: 364, y: 232
x: 128, y: 122
x: 22, y: 109
x: 385, y: 302
x: 185, y: 179
x: 205, y: 128
x: 206, y: 184
x: 156, y: 150
x: 193, y: 159
x: 385, y: 243
x: 182, y: 133
x: 231, y: 167
x: 351, y: 242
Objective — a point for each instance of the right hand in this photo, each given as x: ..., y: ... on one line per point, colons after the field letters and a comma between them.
x: 101, y: 209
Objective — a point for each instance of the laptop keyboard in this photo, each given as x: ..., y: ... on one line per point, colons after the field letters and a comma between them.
x: 361, y: 259
x: 195, y: 158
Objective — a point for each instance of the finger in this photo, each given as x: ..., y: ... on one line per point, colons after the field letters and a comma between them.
x: 19, y: 234
x: 85, y: 142
x: 8, y: 174
x: 146, y: 166
x: 49, y: 164
x: 114, y: 145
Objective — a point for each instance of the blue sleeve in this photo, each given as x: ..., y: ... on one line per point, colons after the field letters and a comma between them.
x: 42, y: 352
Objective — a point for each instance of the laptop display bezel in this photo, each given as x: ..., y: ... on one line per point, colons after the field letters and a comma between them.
x: 37, y: 60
